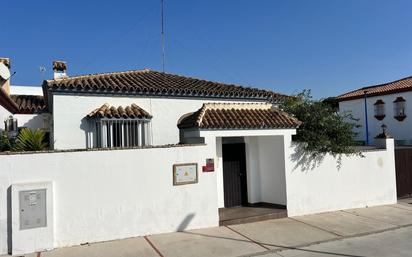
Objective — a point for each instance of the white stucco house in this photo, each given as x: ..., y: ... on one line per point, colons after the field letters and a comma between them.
x: 386, y: 104
x: 142, y: 152
x: 148, y: 108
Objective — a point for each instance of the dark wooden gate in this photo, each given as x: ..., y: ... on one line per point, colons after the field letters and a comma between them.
x: 403, y: 164
x: 234, y: 174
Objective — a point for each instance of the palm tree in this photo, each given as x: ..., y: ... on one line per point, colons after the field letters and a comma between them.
x: 29, y: 140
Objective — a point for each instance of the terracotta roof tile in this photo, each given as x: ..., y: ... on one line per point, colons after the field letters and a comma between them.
x: 129, y: 112
x: 238, y: 116
x: 397, y: 86
x: 148, y: 82
x: 29, y: 104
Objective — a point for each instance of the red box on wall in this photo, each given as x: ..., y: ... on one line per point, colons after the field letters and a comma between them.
x: 210, y: 165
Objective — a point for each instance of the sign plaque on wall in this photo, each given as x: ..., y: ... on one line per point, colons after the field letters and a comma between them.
x: 210, y: 165
x: 185, y: 173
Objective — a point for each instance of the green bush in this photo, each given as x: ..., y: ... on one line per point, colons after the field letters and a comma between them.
x: 323, y: 129
x: 5, y: 144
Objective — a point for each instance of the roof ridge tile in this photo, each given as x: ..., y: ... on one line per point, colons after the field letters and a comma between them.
x: 236, y: 116
x: 400, y: 85
x: 157, y: 83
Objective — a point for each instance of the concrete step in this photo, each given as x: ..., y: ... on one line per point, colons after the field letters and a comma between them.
x: 242, y: 215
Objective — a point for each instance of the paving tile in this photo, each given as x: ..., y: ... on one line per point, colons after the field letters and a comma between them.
x: 396, y: 242
x: 282, y: 233
x: 270, y: 254
x: 344, y: 224
x: 131, y: 247
x: 219, y: 241
x: 388, y: 214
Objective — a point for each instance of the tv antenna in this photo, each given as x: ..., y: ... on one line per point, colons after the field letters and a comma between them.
x: 42, y: 70
x: 163, y: 34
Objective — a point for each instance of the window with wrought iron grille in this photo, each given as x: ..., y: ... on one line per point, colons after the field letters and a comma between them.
x: 379, y: 109
x: 118, y: 126
x: 109, y: 133
x: 399, y: 107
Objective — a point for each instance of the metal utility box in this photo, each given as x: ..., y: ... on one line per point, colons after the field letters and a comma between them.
x: 31, y: 217
x: 33, y: 212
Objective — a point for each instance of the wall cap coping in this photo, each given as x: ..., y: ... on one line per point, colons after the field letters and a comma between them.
x: 101, y: 149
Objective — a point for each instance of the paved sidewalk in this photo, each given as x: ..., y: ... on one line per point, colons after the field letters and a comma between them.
x: 345, y: 233
x: 396, y: 242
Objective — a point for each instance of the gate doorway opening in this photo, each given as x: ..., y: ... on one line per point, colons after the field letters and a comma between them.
x: 234, y: 174
x: 237, y: 208
x: 403, y: 165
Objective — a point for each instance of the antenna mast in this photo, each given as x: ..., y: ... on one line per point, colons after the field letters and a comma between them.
x: 42, y: 72
x: 163, y: 37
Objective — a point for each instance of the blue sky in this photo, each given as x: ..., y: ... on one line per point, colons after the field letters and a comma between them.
x: 329, y: 46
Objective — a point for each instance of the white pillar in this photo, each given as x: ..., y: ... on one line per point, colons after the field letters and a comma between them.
x: 111, y: 134
x: 122, y: 135
x: 139, y: 133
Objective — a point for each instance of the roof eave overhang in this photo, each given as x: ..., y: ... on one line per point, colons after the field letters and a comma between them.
x: 389, y: 92
x: 7, y: 102
x: 241, y: 128
x: 75, y: 91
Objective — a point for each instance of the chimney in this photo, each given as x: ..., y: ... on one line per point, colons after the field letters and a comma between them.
x: 5, y: 81
x: 59, y: 68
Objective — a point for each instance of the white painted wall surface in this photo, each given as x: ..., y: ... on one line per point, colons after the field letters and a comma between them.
x: 4, y: 114
x: 26, y: 90
x: 272, y: 170
x: 32, y: 121
x: 265, y: 161
x: 70, y: 124
x: 219, y: 171
x: 106, y: 195
x: 360, y: 182
x: 252, y: 170
x: 31, y: 240
x: 400, y: 130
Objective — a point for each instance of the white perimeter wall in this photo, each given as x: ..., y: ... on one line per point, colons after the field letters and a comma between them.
x: 400, y: 130
x: 359, y: 182
x: 70, y: 124
x: 105, y: 195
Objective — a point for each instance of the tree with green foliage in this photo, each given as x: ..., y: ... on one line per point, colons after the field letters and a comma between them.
x: 332, y: 102
x: 323, y: 129
x: 30, y: 140
x: 5, y: 144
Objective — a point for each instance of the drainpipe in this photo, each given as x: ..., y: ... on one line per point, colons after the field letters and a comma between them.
x: 366, y: 117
